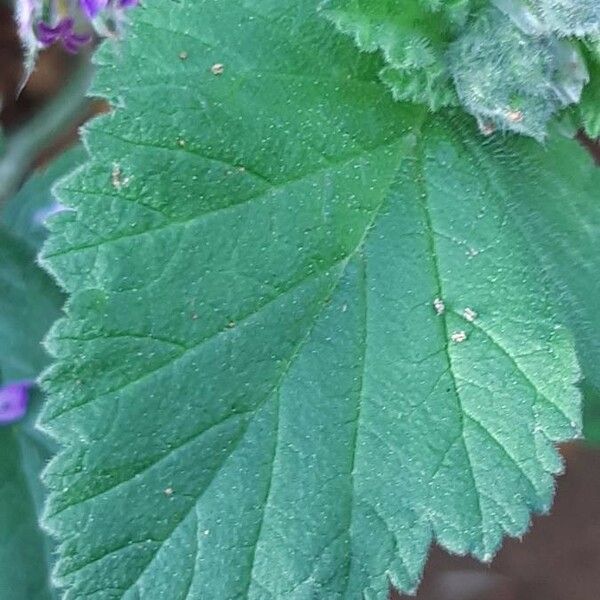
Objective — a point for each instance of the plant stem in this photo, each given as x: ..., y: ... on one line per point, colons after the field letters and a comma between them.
x: 22, y: 148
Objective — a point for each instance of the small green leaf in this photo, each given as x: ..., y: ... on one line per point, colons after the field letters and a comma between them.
x: 413, y: 38
x: 304, y: 338
x: 504, y: 65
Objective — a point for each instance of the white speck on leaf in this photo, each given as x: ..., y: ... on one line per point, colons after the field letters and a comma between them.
x: 458, y: 336
x: 469, y: 314
x: 439, y: 306
x: 515, y: 116
x: 118, y: 181
x: 487, y: 128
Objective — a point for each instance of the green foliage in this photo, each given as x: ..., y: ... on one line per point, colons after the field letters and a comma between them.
x: 591, y: 413
x: 24, y: 214
x: 566, y: 237
x: 565, y: 234
x: 508, y: 65
x: 304, y: 336
x: 412, y: 37
x: 24, y: 549
x: 29, y: 303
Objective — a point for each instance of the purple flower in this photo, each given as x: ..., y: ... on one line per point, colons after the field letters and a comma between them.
x: 64, y: 32
x: 73, y: 23
x: 13, y: 401
x: 91, y: 8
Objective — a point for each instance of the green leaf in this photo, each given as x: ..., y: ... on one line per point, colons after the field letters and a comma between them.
x: 413, y: 38
x: 29, y: 303
x: 254, y: 392
x: 25, y: 213
x: 488, y: 60
x: 565, y: 235
x: 30, y: 300
x: 25, y: 551
x: 591, y: 413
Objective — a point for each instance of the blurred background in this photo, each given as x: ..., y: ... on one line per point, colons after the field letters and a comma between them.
x: 558, y: 560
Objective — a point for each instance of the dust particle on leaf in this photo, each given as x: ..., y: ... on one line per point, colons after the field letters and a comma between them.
x: 469, y: 314
x: 458, y: 336
x: 487, y: 128
x: 439, y: 306
x: 515, y: 116
x: 118, y: 181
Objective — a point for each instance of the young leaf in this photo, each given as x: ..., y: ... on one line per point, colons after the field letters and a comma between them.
x: 304, y: 337
x: 413, y: 39
x: 29, y: 303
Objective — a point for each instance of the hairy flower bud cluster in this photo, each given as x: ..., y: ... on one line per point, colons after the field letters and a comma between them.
x: 510, y: 79
x: 526, y: 66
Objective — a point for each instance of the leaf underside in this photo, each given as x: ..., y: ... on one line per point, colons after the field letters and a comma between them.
x: 255, y: 394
